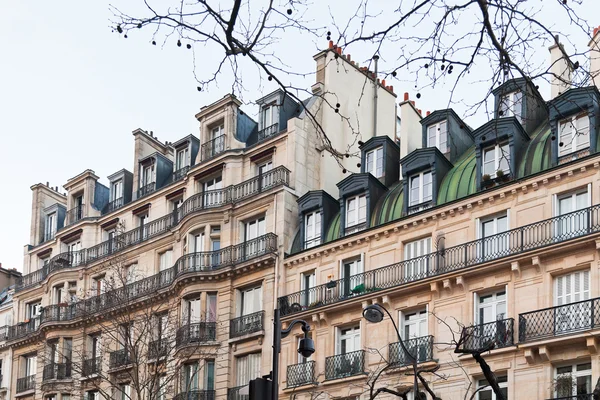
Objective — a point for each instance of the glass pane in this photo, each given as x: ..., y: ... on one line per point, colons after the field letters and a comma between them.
x: 504, y: 157
x: 489, y: 161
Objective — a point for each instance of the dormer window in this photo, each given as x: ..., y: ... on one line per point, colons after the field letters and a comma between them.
x: 356, y: 213
x: 574, y: 137
x: 437, y: 136
x: 312, y: 229
x: 116, y: 195
x: 217, y: 131
x: 50, y: 229
x: 268, y: 116
x: 181, y: 158
x: 511, y: 105
x: 147, y: 175
x: 374, y: 160
x: 421, y: 192
x: 496, y: 158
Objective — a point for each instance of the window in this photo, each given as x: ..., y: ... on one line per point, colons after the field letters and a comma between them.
x: 161, y: 390
x: 491, y: 307
x: 253, y: 231
x: 147, y: 175
x: 511, y: 105
x: 217, y: 131
x: 192, y: 310
x: 209, y: 375
x: 312, y: 229
x: 116, y: 190
x: 124, y: 392
x: 29, y: 365
x: 356, y: 213
x: 263, y: 168
x: 437, y: 136
x: 490, y: 325
x: 98, y: 285
x: 494, y: 243
x: 165, y: 260
x: 68, y: 353
x: 215, y: 245
x: 176, y: 203
x: 211, y: 307
x: 65, y: 396
x: 568, y: 289
x: 421, y: 190
x: 353, y: 280
x: 574, y: 380
x: 74, y: 248
x: 181, y: 158
x: 413, y: 328
x: 348, y: 340
x: 43, y: 262
x: 190, y: 377
x: 92, y: 395
x: 573, y: 217
x: 161, y: 326
x: 213, y: 196
x: 129, y: 274
x: 34, y: 310
x: 247, y: 368
x: 93, y: 346
x: 416, y: 264
x: 374, y: 160
x: 142, y: 219
x: 250, y: 301
x: 308, y: 283
x: 268, y: 115
x: 58, y: 294
x: 496, y: 158
x: 50, y: 230
x: 50, y: 397
x: 574, y: 135
x: 488, y: 393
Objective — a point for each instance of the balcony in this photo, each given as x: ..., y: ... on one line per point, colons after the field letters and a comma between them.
x: 573, y: 156
x: 534, y: 236
x: 158, y: 349
x: 246, y: 324
x: 91, y: 366
x: 25, y: 384
x: 355, y: 228
x: 115, y: 205
x: 119, y: 358
x: 419, y: 207
x: 180, y: 174
x: 559, y: 320
x: 588, y: 396
x: 301, y: 374
x: 212, y: 148
x: 492, y: 335
x: 23, y: 328
x: 145, y: 190
x: 421, y: 348
x: 200, y: 332
x: 345, y: 365
x: 201, y: 201
x: 196, y: 395
x: 75, y: 214
x: 57, y: 371
x: 267, y: 132
x: 234, y: 393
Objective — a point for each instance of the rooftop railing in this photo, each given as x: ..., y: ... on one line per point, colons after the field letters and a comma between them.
x: 198, y: 202
x: 513, y: 242
x: 212, y: 148
x: 75, y: 214
x: 145, y: 190
x: 268, y: 132
x: 115, y: 205
x: 180, y: 173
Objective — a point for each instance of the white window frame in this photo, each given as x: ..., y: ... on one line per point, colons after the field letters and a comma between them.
x: 497, y: 150
x: 246, y: 368
x: 418, y: 269
x: 312, y: 229
x: 574, y: 374
x: 147, y: 176
x: 354, y: 336
x: 421, y: 315
x: 502, y: 383
x: 268, y: 115
x: 440, y: 130
x: 50, y: 230
x: 255, y: 294
x: 217, y: 131
x: 421, y: 186
x: 181, y: 158
x: 573, y: 138
x: 359, y: 210
x: 116, y: 190
x: 308, y: 281
x: 508, y: 104
x: 374, y: 162
x: 574, y: 224
x: 165, y: 260
x: 497, y: 244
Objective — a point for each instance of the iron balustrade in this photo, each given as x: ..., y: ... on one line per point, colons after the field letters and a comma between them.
x: 559, y: 320
x: 312, y: 242
x: 355, y: 228
x: 180, y: 173
x: 301, y: 374
x: 115, y: 205
x: 57, y: 371
x: 199, y: 332
x: 345, y: 365
x: 268, y: 132
x: 91, y: 366
x: 421, y: 348
x: 145, y: 190
x: 196, y: 395
x: 23, y: 329
x: 419, y: 207
x: 212, y: 148
x: 75, y: 214
x: 119, y: 358
x: 234, y: 393
x: 513, y: 242
x: 492, y: 335
x: 158, y: 349
x: 208, y: 199
x: 576, y: 155
x: 3, y: 332
x: 49, y: 234
x: 246, y: 324
x: 26, y: 383
x: 588, y: 396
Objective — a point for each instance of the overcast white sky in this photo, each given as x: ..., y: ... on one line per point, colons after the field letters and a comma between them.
x: 71, y: 93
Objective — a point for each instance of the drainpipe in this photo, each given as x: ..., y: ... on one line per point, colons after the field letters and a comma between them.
x: 375, y: 59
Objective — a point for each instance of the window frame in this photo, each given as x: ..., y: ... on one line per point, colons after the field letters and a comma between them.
x: 508, y: 100
x: 502, y: 383
x: 439, y: 134
x: 421, y: 175
x: 574, y: 145
x: 354, y: 224
x: 498, y: 153
x: 375, y: 165
x: 312, y: 237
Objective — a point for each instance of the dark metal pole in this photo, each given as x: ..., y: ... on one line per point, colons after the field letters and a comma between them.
x: 276, y: 351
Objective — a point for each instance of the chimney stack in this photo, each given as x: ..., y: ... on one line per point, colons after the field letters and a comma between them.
x: 594, y: 46
x: 560, y: 81
x: 410, y: 128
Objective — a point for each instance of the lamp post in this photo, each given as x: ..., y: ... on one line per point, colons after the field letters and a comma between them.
x: 374, y: 314
x: 306, y: 347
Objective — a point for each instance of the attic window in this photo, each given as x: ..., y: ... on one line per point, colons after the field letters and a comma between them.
x: 574, y: 137
x: 421, y: 192
x: 511, y: 105
x: 268, y: 115
x: 496, y: 158
x: 375, y: 162
x: 437, y: 136
x: 356, y: 214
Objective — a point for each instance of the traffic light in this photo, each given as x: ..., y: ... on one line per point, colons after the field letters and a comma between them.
x: 261, y: 389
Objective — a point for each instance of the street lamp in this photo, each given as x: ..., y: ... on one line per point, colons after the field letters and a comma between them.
x: 375, y: 314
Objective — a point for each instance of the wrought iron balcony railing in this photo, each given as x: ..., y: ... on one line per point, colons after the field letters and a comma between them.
x: 200, y: 332
x: 588, y: 396
x: 514, y: 242
x: 119, y: 358
x: 26, y: 383
x: 559, y: 320
x: 234, y: 393
x: 180, y: 173
x: 419, y: 207
x: 145, y: 190
x: 91, y: 366
x: 246, y: 324
x: 421, y: 348
x: 201, y: 201
x: 114, y: 205
x: 345, y: 365
x: 49, y: 234
x: 75, y: 214
x: 492, y: 335
x: 158, y: 349
x: 301, y: 374
x: 268, y: 132
x: 355, y: 228
x: 57, y: 371
x: 196, y: 395
x: 212, y: 148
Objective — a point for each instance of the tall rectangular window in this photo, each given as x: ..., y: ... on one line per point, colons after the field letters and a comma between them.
x: 494, y: 240
x: 213, y: 196
x: 496, y: 158
x: 348, y: 340
x: 416, y: 262
x: 268, y: 115
x: 572, y: 214
x: 253, y: 230
x: 485, y: 392
x: 511, y: 105
x: 312, y: 229
x: 147, y: 176
x: 574, y: 381
x: 50, y: 229
x: 181, y: 159
x: 374, y: 161
x: 421, y: 190
x: 209, y: 375
x: 116, y: 190
x: 574, y: 134
x: 352, y: 276
x: 247, y: 368
x: 356, y: 213
x: 263, y: 169
x: 568, y: 289
x: 250, y: 300
x: 211, y: 307
x: 309, y: 281
x: 165, y: 260
x: 437, y: 136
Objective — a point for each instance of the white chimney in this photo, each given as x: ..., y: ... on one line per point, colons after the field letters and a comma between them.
x: 594, y: 46
x: 560, y: 69
x: 411, y: 136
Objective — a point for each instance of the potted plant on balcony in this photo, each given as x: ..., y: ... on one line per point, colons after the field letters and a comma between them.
x: 501, y: 176
x: 487, y: 180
